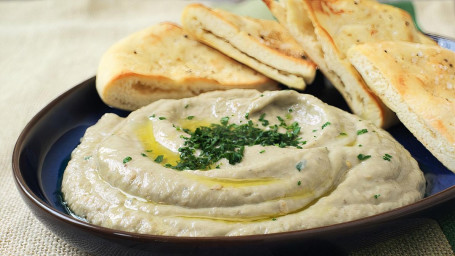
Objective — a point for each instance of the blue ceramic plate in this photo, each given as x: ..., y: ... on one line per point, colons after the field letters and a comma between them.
x: 44, y: 147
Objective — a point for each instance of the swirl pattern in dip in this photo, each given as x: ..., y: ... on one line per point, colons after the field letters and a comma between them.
x: 344, y: 169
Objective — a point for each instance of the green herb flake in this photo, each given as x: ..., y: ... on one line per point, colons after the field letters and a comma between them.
x: 263, y: 120
x: 127, y: 159
x: 325, y: 125
x: 162, y: 118
x: 190, y: 117
x: 387, y: 157
x: 247, y: 115
x: 363, y: 131
x: 299, y: 166
x: 148, y: 150
x: 159, y: 159
x: 224, y: 121
x: 360, y: 145
x: 363, y: 157
x: 290, y: 110
x: 262, y: 151
x: 288, y: 116
x: 299, y: 183
x: 343, y: 134
x: 376, y: 196
x: 152, y: 116
x: 186, y: 106
x: 143, y: 154
x: 168, y: 165
x: 87, y: 157
x: 315, y: 130
x: 273, y: 219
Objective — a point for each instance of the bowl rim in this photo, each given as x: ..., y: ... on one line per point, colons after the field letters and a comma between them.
x: 334, y: 229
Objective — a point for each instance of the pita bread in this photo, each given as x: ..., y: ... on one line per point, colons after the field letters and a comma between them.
x: 416, y: 81
x: 342, y: 23
x: 291, y: 15
x: 263, y: 45
x: 163, y: 61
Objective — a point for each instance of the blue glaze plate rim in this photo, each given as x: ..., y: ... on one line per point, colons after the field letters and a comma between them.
x: 44, y: 146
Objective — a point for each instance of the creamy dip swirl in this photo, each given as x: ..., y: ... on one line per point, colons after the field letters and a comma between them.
x: 345, y: 169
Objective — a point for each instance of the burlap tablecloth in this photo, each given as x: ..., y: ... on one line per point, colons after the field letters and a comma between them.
x: 47, y: 47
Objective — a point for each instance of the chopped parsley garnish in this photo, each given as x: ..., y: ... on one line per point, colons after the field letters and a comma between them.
x: 87, y: 157
x: 228, y: 141
x: 152, y: 116
x: 190, y: 117
x: 359, y: 132
x: 162, y: 118
x: 343, y: 134
x: 247, y: 115
x: 143, y: 154
x: 263, y: 121
x: 299, y: 166
x: 186, y: 106
x: 149, y: 150
x: 127, y: 159
x: 262, y: 151
x: 387, y: 157
x: 377, y: 196
x: 362, y: 157
x: 290, y: 110
x: 325, y: 125
x: 299, y: 183
x: 159, y: 159
x: 224, y: 120
x: 288, y: 116
x: 274, y: 219
x: 177, y: 127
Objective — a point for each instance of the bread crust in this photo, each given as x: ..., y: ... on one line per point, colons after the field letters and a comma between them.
x: 263, y: 45
x: 416, y: 81
x: 163, y: 61
x: 339, y: 24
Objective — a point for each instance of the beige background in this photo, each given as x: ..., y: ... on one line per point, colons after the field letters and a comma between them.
x: 48, y: 46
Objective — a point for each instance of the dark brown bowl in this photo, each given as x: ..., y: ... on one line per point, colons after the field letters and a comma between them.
x: 43, y: 149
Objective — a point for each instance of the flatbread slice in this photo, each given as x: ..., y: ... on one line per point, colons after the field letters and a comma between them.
x: 340, y: 24
x: 163, y: 61
x: 292, y: 15
x: 416, y: 81
x: 263, y: 45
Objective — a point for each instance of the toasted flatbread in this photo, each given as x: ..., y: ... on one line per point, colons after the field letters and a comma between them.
x: 163, y: 61
x: 263, y: 45
x: 292, y: 16
x: 342, y: 23
x: 416, y: 81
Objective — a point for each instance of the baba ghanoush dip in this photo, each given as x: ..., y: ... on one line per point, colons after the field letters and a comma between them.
x: 236, y: 162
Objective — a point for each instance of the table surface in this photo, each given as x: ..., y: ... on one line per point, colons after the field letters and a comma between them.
x: 48, y: 46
